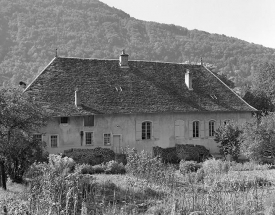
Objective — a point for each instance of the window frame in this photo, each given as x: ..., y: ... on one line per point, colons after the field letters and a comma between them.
x: 144, y: 133
x: 110, y: 139
x: 211, y: 129
x: 64, y: 123
x: 196, y: 129
x: 92, y: 138
x: 57, y: 140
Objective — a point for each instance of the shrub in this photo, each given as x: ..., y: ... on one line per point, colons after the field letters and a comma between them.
x: 56, y: 189
x: 189, y: 166
x: 143, y: 165
x: 91, y: 156
x: 121, y: 158
x: 249, y: 166
x: 100, y: 168
x: 87, y: 169
x: 213, y: 166
x: 113, y: 167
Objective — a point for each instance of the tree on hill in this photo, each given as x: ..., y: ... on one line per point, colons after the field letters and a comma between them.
x: 20, y: 118
x: 31, y: 30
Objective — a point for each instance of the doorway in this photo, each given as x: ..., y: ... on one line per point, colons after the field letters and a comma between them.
x: 117, y: 143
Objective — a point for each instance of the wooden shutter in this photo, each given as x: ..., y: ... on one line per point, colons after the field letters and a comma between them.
x: 138, y: 130
x: 206, y: 129
x: 156, y: 131
x: 190, y: 127
x: 177, y: 128
x: 89, y: 120
x: 201, y: 127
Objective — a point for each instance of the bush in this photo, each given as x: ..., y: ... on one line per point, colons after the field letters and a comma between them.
x: 100, y: 168
x: 189, y: 166
x: 91, y: 156
x: 113, y: 167
x: 249, y: 166
x: 87, y: 169
x: 55, y: 189
x: 213, y: 166
x: 143, y: 165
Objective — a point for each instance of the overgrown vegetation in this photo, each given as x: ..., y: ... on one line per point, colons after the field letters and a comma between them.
x: 229, y: 138
x: 148, y: 187
x: 20, y: 118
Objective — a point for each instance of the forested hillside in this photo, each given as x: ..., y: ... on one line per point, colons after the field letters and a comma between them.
x: 31, y: 30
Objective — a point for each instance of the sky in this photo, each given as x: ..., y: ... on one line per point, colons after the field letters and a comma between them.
x: 249, y: 20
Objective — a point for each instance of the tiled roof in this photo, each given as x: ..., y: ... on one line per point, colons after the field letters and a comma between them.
x: 144, y: 87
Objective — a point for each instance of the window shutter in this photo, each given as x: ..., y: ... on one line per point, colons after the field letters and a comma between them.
x: 177, y: 128
x: 206, y: 129
x: 190, y: 127
x: 138, y: 130
x: 156, y: 131
x: 89, y: 120
x: 201, y: 127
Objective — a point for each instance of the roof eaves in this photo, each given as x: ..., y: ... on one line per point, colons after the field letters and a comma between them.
x: 254, y: 109
x: 40, y: 74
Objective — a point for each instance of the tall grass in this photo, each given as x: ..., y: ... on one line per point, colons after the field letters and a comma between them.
x: 149, y: 187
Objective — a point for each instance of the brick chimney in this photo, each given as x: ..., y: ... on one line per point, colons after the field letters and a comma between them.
x: 123, y: 60
x: 188, y: 79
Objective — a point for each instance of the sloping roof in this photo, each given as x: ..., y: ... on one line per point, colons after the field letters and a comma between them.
x: 144, y: 87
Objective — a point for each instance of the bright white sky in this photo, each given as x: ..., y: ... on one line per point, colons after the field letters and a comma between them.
x: 249, y: 20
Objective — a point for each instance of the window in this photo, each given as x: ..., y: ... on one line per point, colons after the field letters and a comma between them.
x: 212, y: 128
x: 146, y: 130
x: 37, y: 137
x: 54, y: 141
x: 196, y: 129
x: 107, y: 139
x: 64, y: 120
x: 89, y: 121
x: 89, y: 138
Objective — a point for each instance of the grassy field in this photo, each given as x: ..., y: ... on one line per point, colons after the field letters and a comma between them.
x: 147, y: 188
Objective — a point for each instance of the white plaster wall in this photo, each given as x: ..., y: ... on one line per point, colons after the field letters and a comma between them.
x: 125, y: 125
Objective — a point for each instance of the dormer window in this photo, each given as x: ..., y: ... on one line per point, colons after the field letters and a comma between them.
x: 64, y: 120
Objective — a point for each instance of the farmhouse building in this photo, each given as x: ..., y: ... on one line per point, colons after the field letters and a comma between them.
x: 119, y: 103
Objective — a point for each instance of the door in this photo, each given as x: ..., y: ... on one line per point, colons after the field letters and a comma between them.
x: 117, y: 143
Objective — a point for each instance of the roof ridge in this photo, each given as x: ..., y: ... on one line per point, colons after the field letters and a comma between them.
x: 40, y: 73
x: 230, y: 89
x: 81, y: 58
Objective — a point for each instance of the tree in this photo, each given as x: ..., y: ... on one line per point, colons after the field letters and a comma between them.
x: 259, y: 138
x: 229, y: 137
x: 261, y: 95
x: 20, y: 117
